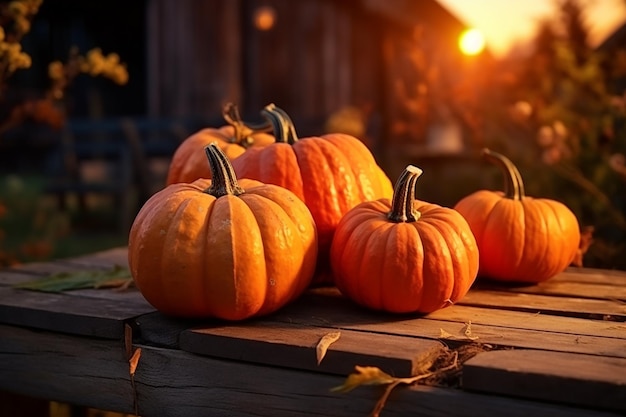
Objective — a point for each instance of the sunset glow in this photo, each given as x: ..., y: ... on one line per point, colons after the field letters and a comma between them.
x: 506, y: 24
x: 472, y: 42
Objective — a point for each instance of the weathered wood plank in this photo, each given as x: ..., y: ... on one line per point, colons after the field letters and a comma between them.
x: 592, y: 276
x: 68, y: 314
x: 97, y: 261
x: 76, y: 370
x: 530, y: 321
x: 95, y: 373
x: 33, y: 272
x: 579, y: 380
x: 8, y: 278
x: 563, y: 289
x: 294, y: 346
x: 157, y: 329
x: 326, y: 308
x: 562, y: 306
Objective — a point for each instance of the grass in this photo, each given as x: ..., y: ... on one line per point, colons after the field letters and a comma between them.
x: 33, y: 228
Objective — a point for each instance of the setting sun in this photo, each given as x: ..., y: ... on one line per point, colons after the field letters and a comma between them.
x: 471, y: 42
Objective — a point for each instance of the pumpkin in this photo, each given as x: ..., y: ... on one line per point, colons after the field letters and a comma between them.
x: 404, y: 255
x: 222, y: 248
x: 521, y: 239
x: 189, y: 161
x: 330, y: 173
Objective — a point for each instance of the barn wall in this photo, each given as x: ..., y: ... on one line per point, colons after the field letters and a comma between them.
x: 194, y: 57
x: 319, y: 57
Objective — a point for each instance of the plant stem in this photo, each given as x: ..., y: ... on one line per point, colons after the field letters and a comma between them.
x: 513, y: 184
x: 284, y: 129
x: 404, y: 197
x: 224, y: 181
x: 243, y: 131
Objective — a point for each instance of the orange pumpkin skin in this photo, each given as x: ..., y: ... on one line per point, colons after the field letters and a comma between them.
x: 405, y: 255
x: 521, y: 239
x: 189, y: 161
x: 197, y: 253
x: 330, y: 173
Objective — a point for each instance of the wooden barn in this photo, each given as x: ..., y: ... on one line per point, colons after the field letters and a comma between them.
x: 383, y: 70
x: 380, y: 65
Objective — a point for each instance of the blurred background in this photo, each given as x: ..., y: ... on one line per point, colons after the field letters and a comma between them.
x: 96, y: 96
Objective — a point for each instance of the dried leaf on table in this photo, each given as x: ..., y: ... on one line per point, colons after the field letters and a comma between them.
x: 322, y: 346
x: 445, y: 335
x: 370, y: 375
x: 467, y: 331
x: 116, y: 277
x: 464, y: 333
x: 365, y: 375
x: 134, y: 361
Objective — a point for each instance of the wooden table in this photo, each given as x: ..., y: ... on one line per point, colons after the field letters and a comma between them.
x: 555, y: 349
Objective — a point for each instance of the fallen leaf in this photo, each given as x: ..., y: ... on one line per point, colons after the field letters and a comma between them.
x: 444, y: 335
x: 134, y: 361
x: 464, y: 333
x: 365, y: 375
x: 322, y: 346
x: 67, y: 281
x: 467, y: 331
x: 370, y: 375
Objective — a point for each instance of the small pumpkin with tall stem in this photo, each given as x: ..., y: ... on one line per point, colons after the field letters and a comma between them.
x: 224, y: 248
x: 404, y: 255
x: 331, y: 173
x: 521, y: 239
x: 189, y: 161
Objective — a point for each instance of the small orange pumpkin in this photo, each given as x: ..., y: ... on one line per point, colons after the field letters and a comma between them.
x: 222, y: 248
x: 521, y: 239
x: 330, y: 173
x: 404, y: 255
x: 189, y: 161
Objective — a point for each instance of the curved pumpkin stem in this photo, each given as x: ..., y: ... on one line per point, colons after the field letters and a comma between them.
x: 282, y: 125
x: 513, y: 184
x: 223, y: 182
x: 402, y: 205
x: 243, y: 131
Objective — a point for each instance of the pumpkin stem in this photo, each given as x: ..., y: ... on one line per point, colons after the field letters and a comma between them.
x: 224, y: 181
x: 513, y: 184
x: 243, y: 131
x: 402, y: 204
x: 282, y: 125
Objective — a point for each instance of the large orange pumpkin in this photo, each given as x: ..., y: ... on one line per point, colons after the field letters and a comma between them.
x: 404, y: 255
x: 330, y: 173
x: 520, y: 238
x: 222, y: 248
x: 189, y: 161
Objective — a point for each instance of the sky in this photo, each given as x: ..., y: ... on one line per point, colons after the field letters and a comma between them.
x: 507, y: 22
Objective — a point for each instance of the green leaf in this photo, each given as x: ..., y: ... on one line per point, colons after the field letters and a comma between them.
x: 118, y: 276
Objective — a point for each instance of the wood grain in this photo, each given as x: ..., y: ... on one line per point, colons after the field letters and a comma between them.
x: 564, y: 289
x: 326, y: 308
x: 66, y: 313
x: 535, y: 303
x: 592, y: 276
x: 530, y: 321
x: 173, y: 383
x: 579, y: 380
x: 293, y: 346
